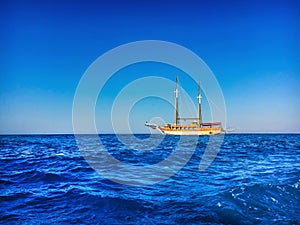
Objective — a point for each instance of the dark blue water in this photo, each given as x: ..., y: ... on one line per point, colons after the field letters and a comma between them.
x: 253, y: 180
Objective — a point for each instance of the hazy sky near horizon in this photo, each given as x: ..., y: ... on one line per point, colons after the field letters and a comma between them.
x: 252, y: 47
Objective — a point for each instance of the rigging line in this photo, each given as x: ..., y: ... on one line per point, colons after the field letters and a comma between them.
x: 211, y: 101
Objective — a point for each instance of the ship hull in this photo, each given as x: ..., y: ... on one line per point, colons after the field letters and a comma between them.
x: 198, y: 132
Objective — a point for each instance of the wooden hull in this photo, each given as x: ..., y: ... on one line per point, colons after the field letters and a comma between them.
x: 198, y: 131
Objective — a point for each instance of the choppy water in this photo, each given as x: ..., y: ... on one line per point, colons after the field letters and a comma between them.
x: 253, y: 180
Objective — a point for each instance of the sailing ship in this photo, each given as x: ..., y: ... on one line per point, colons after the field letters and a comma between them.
x: 195, y: 127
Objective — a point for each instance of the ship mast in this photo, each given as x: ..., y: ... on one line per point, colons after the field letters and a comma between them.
x: 176, y: 101
x: 199, y: 105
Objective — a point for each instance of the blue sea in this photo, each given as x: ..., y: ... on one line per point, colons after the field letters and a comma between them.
x: 254, y: 179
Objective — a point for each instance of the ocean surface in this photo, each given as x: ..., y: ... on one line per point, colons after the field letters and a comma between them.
x: 254, y: 179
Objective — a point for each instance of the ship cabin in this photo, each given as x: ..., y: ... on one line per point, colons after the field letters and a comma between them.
x: 191, y: 126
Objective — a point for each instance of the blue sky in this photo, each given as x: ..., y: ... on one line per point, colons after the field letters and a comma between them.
x: 252, y: 47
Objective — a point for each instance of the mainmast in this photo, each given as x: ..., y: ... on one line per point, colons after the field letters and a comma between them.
x: 176, y: 101
x: 199, y: 105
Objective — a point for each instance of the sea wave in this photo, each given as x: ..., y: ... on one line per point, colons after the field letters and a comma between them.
x: 253, y: 180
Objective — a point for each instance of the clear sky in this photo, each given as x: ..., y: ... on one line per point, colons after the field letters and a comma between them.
x: 252, y: 47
